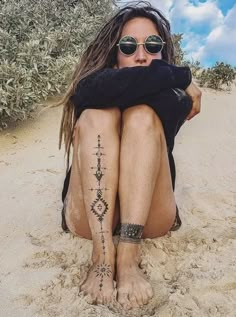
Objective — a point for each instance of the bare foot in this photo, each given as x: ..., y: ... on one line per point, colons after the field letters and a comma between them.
x: 133, y: 289
x: 99, y: 281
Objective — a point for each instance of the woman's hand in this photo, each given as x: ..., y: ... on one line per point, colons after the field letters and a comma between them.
x: 195, y: 93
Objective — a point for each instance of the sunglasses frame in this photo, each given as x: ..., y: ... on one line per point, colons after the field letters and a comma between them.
x: 144, y: 44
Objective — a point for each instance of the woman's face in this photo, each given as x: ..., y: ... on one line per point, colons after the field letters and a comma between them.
x: 140, y: 29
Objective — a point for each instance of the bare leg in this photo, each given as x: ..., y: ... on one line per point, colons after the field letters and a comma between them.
x: 144, y: 173
x: 98, y: 164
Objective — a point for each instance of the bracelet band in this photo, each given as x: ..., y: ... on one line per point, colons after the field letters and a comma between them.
x: 131, y: 233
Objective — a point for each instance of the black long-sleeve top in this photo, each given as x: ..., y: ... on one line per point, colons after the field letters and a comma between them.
x: 128, y: 86
x: 159, y: 85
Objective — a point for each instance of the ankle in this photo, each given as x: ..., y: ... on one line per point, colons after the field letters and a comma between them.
x: 105, y: 252
x: 128, y: 253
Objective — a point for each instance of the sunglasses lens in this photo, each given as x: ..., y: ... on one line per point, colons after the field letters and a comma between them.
x: 154, y: 44
x: 128, y: 45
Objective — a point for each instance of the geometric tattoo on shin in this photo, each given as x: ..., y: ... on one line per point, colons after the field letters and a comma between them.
x: 99, y: 207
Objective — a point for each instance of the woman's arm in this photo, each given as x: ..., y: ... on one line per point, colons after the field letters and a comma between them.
x: 124, y: 87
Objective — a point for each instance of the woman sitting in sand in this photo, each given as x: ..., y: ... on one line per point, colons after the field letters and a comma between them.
x: 125, y: 105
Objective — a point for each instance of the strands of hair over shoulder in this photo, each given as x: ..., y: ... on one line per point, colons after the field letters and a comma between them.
x: 102, y: 53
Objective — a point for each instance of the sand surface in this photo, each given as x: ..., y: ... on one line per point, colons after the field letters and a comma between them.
x: 192, y: 271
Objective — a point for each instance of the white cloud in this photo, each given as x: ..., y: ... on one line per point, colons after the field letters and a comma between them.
x: 163, y: 5
x: 221, y: 42
x: 184, y: 9
x: 196, y: 14
x: 192, y: 41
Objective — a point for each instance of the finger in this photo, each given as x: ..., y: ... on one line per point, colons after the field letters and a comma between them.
x: 191, y: 115
x: 197, y: 104
x: 195, y: 110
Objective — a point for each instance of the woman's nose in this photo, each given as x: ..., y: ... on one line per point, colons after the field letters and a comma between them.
x: 141, y: 54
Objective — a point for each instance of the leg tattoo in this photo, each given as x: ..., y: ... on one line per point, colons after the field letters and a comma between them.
x: 99, y: 207
x: 103, y: 270
x: 131, y: 233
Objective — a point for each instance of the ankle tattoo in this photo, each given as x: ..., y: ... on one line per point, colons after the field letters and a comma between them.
x: 131, y: 233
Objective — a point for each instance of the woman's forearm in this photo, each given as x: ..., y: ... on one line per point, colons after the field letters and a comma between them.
x: 120, y: 87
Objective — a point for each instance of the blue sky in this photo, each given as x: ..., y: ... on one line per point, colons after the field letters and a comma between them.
x: 209, y: 27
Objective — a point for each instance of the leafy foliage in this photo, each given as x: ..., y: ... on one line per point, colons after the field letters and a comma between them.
x: 40, y: 43
x: 179, y: 53
x: 218, y: 76
x: 195, y: 67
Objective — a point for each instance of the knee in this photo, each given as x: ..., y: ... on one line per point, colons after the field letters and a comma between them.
x: 142, y: 118
x: 101, y: 119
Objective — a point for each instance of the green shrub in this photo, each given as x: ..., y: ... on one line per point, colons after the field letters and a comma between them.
x: 195, y: 67
x: 179, y: 53
x: 218, y: 76
x: 40, y: 43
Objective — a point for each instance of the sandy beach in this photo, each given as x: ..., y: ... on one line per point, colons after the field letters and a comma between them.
x: 192, y: 270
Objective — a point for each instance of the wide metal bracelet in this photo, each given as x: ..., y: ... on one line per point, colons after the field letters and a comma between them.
x: 131, y: 232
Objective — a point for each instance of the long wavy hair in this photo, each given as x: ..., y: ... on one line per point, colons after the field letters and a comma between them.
x: 102, y: 53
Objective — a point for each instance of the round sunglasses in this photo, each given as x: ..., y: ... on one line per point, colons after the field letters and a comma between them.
x: 128, y: 44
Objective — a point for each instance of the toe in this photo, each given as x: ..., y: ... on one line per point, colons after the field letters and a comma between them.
x: 100, y: 299
x: 123, y: 299
x: 108, y: 298
x: 82, y: 293
x: 89, y: 299
x: 82, y: 288
x: 145, y: 298
x: 82, y: 281
x: 149, y: 292
x: 94, y: 298
x: 133, y: 301
x: 139, y: 298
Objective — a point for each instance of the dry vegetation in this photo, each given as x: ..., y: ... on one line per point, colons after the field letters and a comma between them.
x: 41, y: 41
